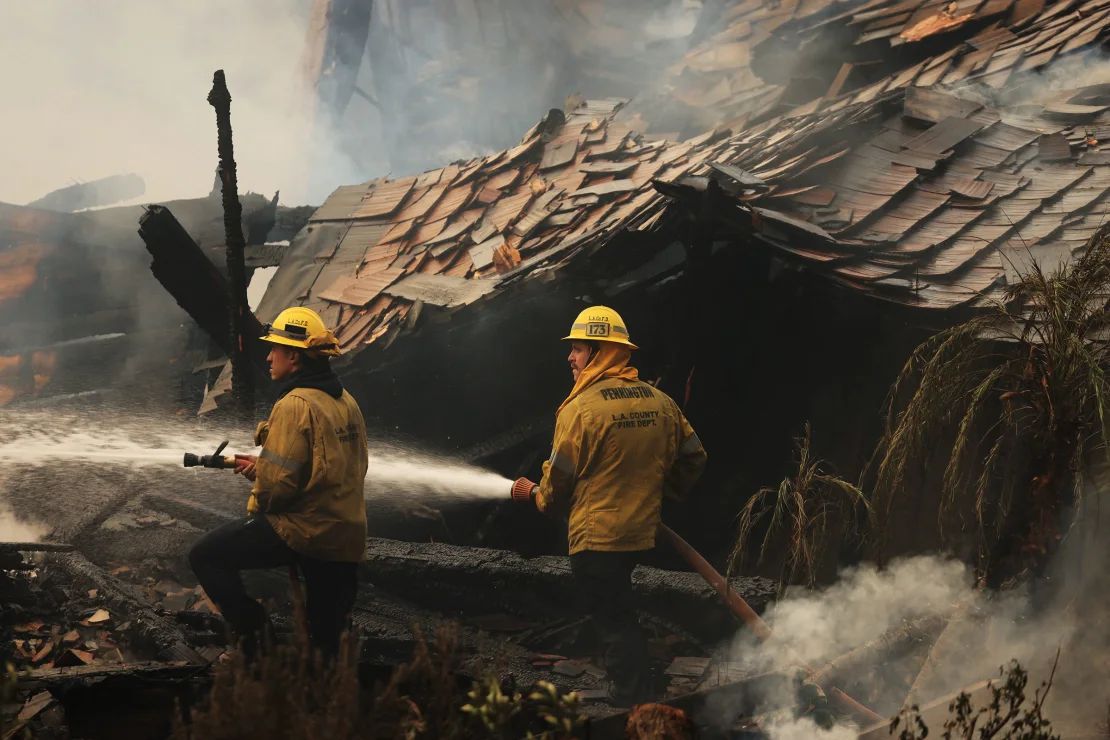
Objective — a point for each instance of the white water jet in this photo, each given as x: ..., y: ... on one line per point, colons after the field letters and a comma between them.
x: 32, y: 439
x: 395, y: 471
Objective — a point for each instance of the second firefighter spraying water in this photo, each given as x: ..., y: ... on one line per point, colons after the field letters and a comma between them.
x: 620, y: 445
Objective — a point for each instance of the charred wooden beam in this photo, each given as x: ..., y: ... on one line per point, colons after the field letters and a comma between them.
x: 452, y: 577
x: 36, y: 547
x: 882, y: 649
x: 152, y: 629
x: 704, y: 200
x: 194, y: 282
x: 481, y: 580
x: 937, y: 711
x: 52, y: 678
x: 242, y: 379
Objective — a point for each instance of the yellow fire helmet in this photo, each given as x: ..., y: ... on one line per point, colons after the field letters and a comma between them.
x: 302, y: 328
x: 600, y: 324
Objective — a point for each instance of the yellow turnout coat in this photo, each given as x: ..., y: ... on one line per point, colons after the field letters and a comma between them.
x: 310, y: 473
x: 619, y: 445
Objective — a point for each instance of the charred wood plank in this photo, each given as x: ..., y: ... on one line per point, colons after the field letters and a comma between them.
x: 36, y: 547
x: 52, y: 678
x: 881, y: 649
x: 195, y: 283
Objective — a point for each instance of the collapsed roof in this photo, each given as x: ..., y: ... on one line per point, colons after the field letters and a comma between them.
x: 925, y: 187
x: 801, y: 56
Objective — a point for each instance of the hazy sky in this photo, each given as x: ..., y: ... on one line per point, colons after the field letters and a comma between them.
x: 98, y: 88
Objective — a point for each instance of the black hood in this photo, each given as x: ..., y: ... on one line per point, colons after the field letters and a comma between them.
x: 321, y: 378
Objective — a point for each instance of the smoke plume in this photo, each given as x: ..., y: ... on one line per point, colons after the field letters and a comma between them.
x: 1064, y: 610
x: 97, y: 89
x: 16, y: 529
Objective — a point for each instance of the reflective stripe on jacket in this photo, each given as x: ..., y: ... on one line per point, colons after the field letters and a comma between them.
x: 619, y: 446
x: 310, y: 474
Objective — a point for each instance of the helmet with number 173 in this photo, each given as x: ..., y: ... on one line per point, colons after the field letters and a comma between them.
x: 600, y: 324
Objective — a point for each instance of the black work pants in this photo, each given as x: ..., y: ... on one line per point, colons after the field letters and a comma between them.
x: 252, y: 544
x: 604, y: 581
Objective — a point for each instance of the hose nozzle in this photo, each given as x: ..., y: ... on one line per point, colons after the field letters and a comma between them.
x: 215, y: 460
x: 523, y: 490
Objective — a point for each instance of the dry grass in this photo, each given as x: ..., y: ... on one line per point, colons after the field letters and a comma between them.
x: 1015, y: 400
x: 798, y: 514
x: 288, y: 694
x: 1009, y: 714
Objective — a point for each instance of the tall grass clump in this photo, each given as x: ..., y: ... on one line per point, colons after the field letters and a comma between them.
x: 1013, y: 402
x: 797, y: 516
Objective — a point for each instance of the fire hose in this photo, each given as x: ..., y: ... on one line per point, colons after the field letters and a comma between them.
x: 524, y: 490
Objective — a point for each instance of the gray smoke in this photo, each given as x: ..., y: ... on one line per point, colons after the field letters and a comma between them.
x: 14, y: 528
x: 103, y: 88
x: 1067, y: 611
x: 1034, y: 88
x: 123, y: 88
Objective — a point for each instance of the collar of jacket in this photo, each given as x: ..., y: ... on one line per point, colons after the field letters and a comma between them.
x: 610, y: 361
x: 323, y: 379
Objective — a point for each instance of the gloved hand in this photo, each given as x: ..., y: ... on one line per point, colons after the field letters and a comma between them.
x: 244, y: 466
x: 523, y: 490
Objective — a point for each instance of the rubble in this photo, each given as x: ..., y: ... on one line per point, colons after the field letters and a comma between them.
x: 53, y: 619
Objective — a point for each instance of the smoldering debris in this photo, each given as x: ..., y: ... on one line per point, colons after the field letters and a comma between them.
x: 63, y: 611
x: 983, y: 632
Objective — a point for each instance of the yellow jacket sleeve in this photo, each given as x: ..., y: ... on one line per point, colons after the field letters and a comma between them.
x: 560, y: 472
x: 285, y: 462
x: 688, y: 463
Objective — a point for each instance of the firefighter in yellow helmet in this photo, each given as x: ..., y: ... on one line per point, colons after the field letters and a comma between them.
x: 306, y: 505
x: 620, y: 445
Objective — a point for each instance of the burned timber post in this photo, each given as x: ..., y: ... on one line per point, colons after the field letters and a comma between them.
x: 242, y: 380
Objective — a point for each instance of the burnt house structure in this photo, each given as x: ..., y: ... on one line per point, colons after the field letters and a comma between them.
x: 84, y: 315
x: 776, y: 267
